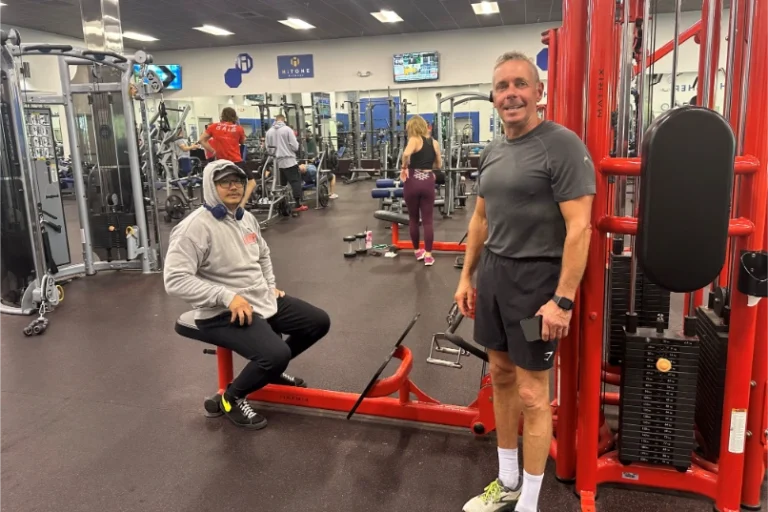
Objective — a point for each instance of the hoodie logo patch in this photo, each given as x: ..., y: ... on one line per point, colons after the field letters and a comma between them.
x: 250, y: 238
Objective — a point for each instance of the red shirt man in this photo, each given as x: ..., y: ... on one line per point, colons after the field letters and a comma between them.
x: 224, y: 138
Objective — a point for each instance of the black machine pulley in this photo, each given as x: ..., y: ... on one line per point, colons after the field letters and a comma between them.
x: 753, y: 273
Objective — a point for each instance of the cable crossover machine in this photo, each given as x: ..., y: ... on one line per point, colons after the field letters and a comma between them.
x: 115, y: 198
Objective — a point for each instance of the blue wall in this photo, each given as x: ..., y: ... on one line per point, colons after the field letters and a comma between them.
x: 380, y: 113
x: 343, y: 119
x: 474, y: 118
x: 255, y: 124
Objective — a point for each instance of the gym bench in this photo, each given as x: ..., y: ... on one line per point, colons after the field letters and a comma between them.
x: 478, y: 416
x: 402, y: 218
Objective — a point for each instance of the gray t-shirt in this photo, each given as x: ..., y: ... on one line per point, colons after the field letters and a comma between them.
x: 522, y: 182
x: 180, y: 153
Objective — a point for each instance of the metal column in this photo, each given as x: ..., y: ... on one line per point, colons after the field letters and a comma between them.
x: 77, y: 169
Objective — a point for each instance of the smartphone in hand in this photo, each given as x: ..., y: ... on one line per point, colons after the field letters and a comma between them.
x: 532, y: 328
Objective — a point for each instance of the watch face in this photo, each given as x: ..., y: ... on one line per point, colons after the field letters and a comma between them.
x: 564, y: 303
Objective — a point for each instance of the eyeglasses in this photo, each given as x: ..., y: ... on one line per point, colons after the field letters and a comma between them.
x: 229, y: 183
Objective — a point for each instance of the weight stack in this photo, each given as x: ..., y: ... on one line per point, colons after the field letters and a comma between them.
x: 650, y: 301
x: 658, y: 398
x: 710, y: 386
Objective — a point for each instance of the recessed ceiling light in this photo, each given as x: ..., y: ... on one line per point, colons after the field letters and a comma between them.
x: 486, y: 8
x: 385, y: 16
x: 215, y: 31
x: 138, y: 37
x: 297, y: 24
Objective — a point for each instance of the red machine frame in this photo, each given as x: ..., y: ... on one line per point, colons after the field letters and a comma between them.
x: 477, y: 416
x: 722, y: 482
x: 437, y: 246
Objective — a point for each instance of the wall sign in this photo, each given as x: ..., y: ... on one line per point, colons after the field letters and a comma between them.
x: 233, y: 77
x: 295, y: 66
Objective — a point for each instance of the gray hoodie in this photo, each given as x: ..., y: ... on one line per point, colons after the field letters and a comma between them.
x: 281, y: 137
x: 211, y: 260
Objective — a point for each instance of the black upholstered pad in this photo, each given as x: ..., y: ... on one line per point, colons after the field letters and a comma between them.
x: 685, y: 194
x: 400, y: 218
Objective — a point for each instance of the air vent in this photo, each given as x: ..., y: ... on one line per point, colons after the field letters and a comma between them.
x: 55, y: 3
x: 248, y: 15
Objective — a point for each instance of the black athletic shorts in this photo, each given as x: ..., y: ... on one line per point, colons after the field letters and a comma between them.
x: 246, y: 169
x: 510, y: 290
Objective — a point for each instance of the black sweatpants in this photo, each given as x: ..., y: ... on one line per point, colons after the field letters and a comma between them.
x: 261, y: 344
x: 292, y: 175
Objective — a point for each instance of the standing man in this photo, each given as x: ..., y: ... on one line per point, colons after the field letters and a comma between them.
x: 528, y: 239
x: 282, y: 140
x: 222, y: 141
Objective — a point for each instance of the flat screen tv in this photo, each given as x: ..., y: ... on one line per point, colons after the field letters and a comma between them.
x: 170, y: 74
x: 416, y: 67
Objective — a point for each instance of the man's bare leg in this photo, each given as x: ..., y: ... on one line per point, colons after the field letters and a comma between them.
x: 533, y: 387
x: 506, y: 407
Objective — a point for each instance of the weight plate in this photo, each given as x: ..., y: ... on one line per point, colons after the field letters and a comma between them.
x: 174, y: 207
x: 323, y: 195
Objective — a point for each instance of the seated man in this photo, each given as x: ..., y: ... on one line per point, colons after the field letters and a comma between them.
x: 309, y: 176
x: 219, y: 263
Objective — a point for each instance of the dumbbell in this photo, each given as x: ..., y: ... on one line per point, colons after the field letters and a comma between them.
x: 361, y: 243
x: 350, y: 239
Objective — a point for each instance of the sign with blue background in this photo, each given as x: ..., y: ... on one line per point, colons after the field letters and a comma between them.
x: 295, y: 66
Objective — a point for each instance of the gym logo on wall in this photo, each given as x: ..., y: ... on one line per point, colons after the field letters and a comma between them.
x: 233, y: 77
x: 542, y: 59
x: 295, y: 66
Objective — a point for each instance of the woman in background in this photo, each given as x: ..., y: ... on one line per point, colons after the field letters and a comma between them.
x: 421, y: 156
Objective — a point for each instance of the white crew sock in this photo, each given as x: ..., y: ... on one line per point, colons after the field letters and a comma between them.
x: 509, y: 471
x: 529, y: 497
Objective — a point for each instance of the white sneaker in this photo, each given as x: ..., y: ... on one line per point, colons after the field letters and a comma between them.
x: 496, y: 498
x: 333, y: 196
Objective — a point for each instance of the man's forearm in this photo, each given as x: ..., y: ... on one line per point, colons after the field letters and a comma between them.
x: 249, y: 188
x: 575, y: 253
x: 477, y: 233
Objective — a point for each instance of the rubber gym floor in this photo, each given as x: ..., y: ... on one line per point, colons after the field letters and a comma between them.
x: 104, y: 411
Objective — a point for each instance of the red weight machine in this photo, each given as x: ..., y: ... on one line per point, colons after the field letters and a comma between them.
x: 734, y: 478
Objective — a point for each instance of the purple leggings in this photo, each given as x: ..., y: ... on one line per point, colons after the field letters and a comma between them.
x: 419, y: 195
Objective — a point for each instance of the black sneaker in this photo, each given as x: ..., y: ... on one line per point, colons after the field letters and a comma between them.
x: 241, y: 413
x: 288, y: 380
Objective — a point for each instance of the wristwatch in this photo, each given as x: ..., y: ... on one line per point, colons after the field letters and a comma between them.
x: 563, y: 303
